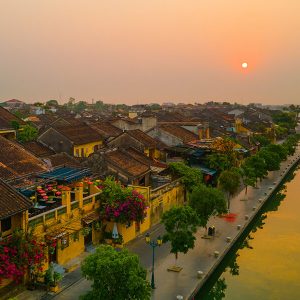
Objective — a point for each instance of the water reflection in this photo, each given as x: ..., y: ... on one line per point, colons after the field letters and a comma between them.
x: 216, y: 287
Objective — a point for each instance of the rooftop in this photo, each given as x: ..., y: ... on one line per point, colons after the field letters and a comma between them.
x: 79, y: 135
x: 15, y: 161
x: 105, y: 129
x: 11, y: 201
x: 38, y: 149
x: 6, y: 118
x: 179, y: 132
x: 145, y: 139
x: 66, y: 174
x: 63, y: 159
x: 127, y: 163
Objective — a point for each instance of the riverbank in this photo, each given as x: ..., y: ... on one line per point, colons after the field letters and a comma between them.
x: 202, y: 257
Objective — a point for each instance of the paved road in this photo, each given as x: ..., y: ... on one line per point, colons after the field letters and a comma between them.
x: 171, y: 284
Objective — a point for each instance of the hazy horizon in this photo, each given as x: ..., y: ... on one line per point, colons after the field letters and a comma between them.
x: 130, y: 51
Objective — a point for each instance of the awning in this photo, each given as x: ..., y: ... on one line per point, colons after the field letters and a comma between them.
x: 90, y: 218
x: 206, y: 170
x: 66, y: 174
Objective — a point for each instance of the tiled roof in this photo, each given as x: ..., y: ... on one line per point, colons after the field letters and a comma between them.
x: 127, y: 163
x: 38, y: 149
x: 6, y: 118
x: 15, y: 161
x: 106, y: 129
x: 145, y: 139
x: 181, y: 133
x: 11, y: 201
x: 79, y: 135
x: 63, y: 159
x: 144, y: 159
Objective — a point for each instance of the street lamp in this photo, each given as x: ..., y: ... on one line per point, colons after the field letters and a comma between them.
x: 153, y: 244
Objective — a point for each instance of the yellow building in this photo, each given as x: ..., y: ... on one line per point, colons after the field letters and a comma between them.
x: 77, y: 140
x: 13, y: 215
x: 240, y: 128
x: 159, y: 200
x: 71, y: 227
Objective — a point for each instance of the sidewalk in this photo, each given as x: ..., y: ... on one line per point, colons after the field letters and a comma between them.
x: 201, y: 258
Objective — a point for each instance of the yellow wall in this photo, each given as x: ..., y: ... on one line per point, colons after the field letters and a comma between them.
x: 163, y: 199
x: 240, y: 128
x: 69, y: 222
x: 88, y: 149
x: 74, y: 249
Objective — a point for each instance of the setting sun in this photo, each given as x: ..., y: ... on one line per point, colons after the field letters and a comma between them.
x: 244, y: 65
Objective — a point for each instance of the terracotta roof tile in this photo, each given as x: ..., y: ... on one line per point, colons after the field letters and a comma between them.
x: 127, y: 163
x: 6, y: 118
x: 181, y: 133
x: 105, y: 129
x: 63, y: 159
x: 11, y: 201
x: 146, y: 139
x: 38, y: 149
x: 15, y: 161
x: 79, y: 135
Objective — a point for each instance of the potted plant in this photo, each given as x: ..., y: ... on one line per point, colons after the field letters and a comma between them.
x: 108, y: 237
x: 52, y: 278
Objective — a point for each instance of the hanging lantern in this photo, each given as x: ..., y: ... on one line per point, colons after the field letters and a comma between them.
x: 115, y: 233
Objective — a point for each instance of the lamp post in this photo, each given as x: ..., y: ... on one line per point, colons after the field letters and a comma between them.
x: 153, y: 244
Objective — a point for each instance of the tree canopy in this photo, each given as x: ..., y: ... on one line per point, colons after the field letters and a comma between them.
x: 258, y: 165
x: 191, y: 177
x: 229, y: 182
x: 272, y: 159
x: 115, y: 275
x: 219, y: 162
x: 207, y: 202
x: 27, y: 133
x: 181, y: 224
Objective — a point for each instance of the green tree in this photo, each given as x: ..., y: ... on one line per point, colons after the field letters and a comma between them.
x: 248, y: 177
x: 258, y: 165
x: 263, y: 140
x: 219, y: 161
x: 80, y: 106
x: 272, y: 159
x: 99, y: 105
x: 279, y: 149
x: 52, y: 103
x: 285, y: 119
x: 229, y: 182
x: 291, y: 143
x: 207, y: 202
x: 15, y: 124
x: 191, y: 177
x: 181, y: 224
x: 40, y: 104
x: 27, y: 133
x: 115, y: 275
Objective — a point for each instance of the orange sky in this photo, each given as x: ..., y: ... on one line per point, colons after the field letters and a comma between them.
x: 137, y: 51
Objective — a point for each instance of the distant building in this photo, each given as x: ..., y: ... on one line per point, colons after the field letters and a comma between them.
x: 13, y: 104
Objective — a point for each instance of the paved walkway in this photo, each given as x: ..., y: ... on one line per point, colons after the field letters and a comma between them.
x: 171, y: 284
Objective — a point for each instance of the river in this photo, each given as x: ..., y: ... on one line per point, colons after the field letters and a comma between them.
x: 265, y: 263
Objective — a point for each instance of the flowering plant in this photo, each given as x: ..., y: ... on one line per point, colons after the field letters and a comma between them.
x: 20, y: 253
x: 121, y: 204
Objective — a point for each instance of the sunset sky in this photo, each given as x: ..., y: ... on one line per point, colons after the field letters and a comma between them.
x: 138, y: 51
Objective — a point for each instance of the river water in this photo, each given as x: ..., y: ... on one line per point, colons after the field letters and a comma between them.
x: 265, y: 263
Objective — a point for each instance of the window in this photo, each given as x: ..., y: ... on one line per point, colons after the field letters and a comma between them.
x: 65, y: 242
x: 6, y: 224
x: 82, y: 152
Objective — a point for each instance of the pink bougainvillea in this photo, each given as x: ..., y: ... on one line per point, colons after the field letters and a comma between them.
x: 121, y: 204
x: 20, y: 253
